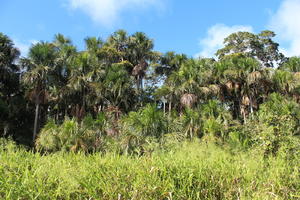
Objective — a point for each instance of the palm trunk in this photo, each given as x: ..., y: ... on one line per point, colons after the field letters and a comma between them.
x: 141, y: 84
x: 37, y: 108
x: 66, y: 112
x: 244, y: 116
x: 170, y: 107
x: 251, y: 106
x: 138, y: 83
x: 56, y: 116
x: 5, y: 129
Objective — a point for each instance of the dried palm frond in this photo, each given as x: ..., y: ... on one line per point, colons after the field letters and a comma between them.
x: 38, y: 96
x: 229, y: 86
x: 78, y: 112
x: 297, y: 75
x: 237, y: 87
x: 245, y: 100
x: 115, y: 111
x: 205, y: 90
x: 139, y: 69
x: 188, y: 100
x: 215, y: 89
x: 254, y: 77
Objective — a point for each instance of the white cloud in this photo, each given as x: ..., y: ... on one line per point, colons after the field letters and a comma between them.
x: 24, y: 46
x: 108, y: 12
x: 286, y: 23
x: 215, y: 37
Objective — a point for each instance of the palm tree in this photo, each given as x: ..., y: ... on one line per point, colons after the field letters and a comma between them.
x: 170, y: 62
x: 78, y: 82
x: 8, y: 68
x: 284, y: 81
x: 120, y: 41
x: 9, y: 79
x: 232, y: 73
x: 93, y: 44
x: 118, y: 87
x: 292, y: 65
x: 140, y: 52
x: 58, y: 91
x: 138, y: 127
x: 38, y: 65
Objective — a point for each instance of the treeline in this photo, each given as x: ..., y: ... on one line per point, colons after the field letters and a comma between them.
x: 119, y: 94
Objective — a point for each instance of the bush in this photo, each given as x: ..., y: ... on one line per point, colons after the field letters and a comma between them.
x: 142, y: 129
x: 275, y: 127
x: 88, y: 136
x: 7, y: 144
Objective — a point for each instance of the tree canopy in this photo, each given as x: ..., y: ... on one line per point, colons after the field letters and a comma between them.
x: 122, y: 89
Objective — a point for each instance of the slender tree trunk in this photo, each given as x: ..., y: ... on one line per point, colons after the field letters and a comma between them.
x: 251, y: 105
x: 244, y: 116
x: 37, y: 108
x: 83, y: 98
x: 138, y: 83
x: 140, y: 89
x: 5, y: 129
x: 170, y: 107
x: 66, y: 111
x: 56, y: 116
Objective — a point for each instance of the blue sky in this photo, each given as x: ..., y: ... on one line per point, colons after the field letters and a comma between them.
x: 194, y: 27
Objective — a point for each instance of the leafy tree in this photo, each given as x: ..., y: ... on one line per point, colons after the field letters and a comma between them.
x: 104, y: 88
x: 259, y: 46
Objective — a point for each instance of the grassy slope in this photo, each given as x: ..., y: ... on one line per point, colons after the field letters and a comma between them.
x: 193, y: 171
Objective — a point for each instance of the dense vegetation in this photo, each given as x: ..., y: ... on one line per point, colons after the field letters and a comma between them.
x: 190, y: 171
x: 109, y: 121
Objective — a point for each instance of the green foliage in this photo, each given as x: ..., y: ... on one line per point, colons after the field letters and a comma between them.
x: 191, y: 123
x: 260, y: 46
x: 192, y: 171
x: 208, y: 119
x: 274, y: 129
x: 87, y: 136
x: 143, y: 127
x: 7, y: 144
x: 291, y: 65
x: 281, y: 116
x: 126, y: 122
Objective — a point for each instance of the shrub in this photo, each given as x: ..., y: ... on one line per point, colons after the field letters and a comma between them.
x: 88, y: 135
x: 141, y: 127
x: 275, y: 127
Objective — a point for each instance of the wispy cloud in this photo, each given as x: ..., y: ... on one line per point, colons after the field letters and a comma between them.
x: 215, y: 37
x: 108, y: 12
x: 286, y: 23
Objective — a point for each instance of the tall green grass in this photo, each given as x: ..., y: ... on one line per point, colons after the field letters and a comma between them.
x: 192, y: 170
